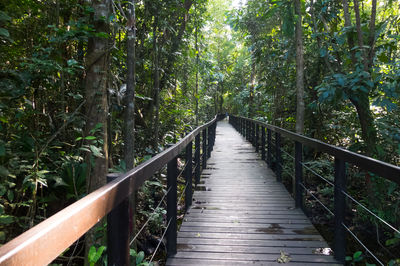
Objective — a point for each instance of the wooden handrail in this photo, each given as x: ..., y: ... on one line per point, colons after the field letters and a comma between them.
x: 44, y: 242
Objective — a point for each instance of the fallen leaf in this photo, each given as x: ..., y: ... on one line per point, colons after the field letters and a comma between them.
x: 284, y: 258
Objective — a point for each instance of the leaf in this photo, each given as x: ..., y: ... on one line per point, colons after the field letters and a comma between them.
x: 98, y: 253
x: 284, y: 258
x: 132, y: 252
x: 10, y: 195
x: 2, y: 149
x: 357, y: 254
x: 139, y: 257
x: 96, y: 151
x: 92, y: 254
x: 72, y: 62
x: 322, y: 52
x: 2, y: 190
x: 4, y: 17
x: 6, y: 219
x: 4, y: 33
x: 84, y: 149
x: 3, y: 171
x: 2, y: 236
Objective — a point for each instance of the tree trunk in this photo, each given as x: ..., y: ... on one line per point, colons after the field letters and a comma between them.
x: 252, y: 85
x: 347, y: 23
x: 97, y: 67
x: 129, y: 102
x: 156, y: 127
x: 196, y: 94
x: 371, y: 41
x: 129, y: 114
x: 360, y: 35
x: 300, y: 109
x: 368, y: 130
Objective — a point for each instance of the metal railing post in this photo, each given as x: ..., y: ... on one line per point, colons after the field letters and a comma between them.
x: 247, y: 130
x: 278, y: 157
x: 339, y: 210
x: 118, y: 231
x: 197, y: 159
x: 188, y: 175
x: 262, y: 143
x: 298, y: 174
x: 204, y: 139
x: 209, y: 141
x: 269, y: 148
x: 257, y: 137
x: 172, y: 172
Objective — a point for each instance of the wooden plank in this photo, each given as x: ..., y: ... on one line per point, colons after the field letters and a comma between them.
x: 253, y: 257
x: 259, y: 236
x: 207, y: 262
x: 251, y: 242
x: 270, y: 227
x: 245, y: 220
x: 300, y: 250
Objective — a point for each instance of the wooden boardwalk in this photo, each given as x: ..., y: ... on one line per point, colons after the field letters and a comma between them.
x: 242, y: 216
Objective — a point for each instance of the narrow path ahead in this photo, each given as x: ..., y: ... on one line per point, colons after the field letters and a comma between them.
x: 242, y: 216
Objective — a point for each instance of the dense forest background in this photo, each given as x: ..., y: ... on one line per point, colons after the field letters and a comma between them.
x: 89, y: 87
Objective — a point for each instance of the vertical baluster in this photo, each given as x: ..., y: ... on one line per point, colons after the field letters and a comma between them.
x: 340, y: 210
x: 257, y: 137
x: 172, y: 172
x: 188, y: 175
x: 118, y: 231
x: 197, y: 158
x: 269, y: 149
x: 278, y: 157
x: 262, y: 143
x: 298, y: 174
x: 204, y: 148
x: 247, y: 130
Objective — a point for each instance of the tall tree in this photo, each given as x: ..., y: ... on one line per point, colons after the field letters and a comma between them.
x: 129, y: 114
x: 299, y: 69
x: 96, y: 83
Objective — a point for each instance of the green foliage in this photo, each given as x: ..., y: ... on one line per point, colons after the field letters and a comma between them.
x: 95, y: 254
x: 357, y: 257
x: 138, y: 258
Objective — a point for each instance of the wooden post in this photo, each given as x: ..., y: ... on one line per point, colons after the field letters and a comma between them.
x: 339, y: 210
x: 118, y: 231
x: 298, y: 158
x: 197, y: 158
x: 278, y: 157
x: 172, y: 172
x: 263, y: 143
x: 188, y: 175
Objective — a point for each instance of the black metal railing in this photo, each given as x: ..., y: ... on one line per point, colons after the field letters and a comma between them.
x: 44, y: 242
x: 271, y: 151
